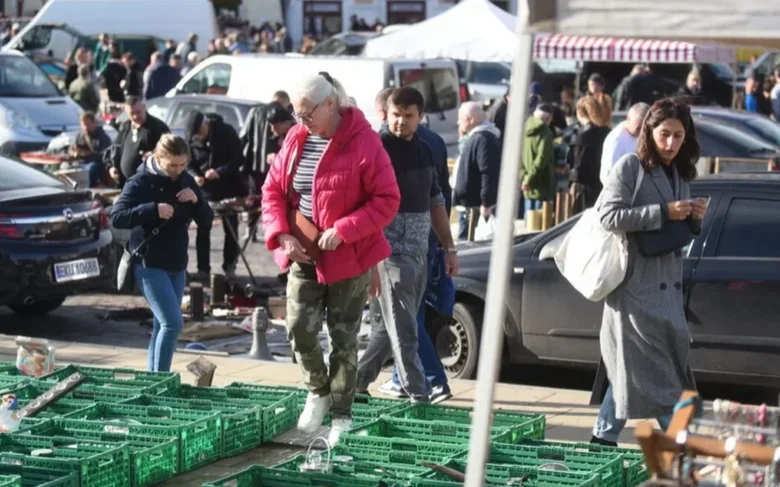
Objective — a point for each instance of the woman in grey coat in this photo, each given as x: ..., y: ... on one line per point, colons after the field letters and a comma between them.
x: 644, y: 334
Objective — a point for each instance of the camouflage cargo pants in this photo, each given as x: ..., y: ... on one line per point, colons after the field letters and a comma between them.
x: 307, y: 301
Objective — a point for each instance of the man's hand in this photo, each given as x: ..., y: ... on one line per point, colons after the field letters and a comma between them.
x: 212, y: 174
x: 114, y: 173
x: 292, y: 248
x: 451, y: 264
x: 485, y: 211
x: 165, y: 210
x: 330, y: 239
x: 525, y: 187
x: 374, y: 283
x: 187, y: 195
x: 269, y: 159
x: 200, y: 180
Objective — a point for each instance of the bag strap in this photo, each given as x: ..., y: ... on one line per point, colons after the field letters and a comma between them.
x: 639, y: 177
x: 155, y: 232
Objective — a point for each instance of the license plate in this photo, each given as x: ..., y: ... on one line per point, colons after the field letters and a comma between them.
x: 76, y: 270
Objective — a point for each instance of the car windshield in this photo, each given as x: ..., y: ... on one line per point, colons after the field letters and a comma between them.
x: 767, y: 129
x: 20, y: 77
x: 736, y: 138
x: 18, y: 175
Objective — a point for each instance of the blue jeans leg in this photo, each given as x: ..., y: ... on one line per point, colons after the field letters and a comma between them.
x: 95, y: 172
x: 608, y: 427
x: 163, y: 291
x: 532, y: 205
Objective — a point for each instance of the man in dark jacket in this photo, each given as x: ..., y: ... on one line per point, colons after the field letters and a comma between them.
x: 134, y: 76
x: 89, y: 146
x: 217, y: 160
x: 137, y: 138
x: 161, y: 77
x: 476, y: 177
x: 497, y: 115
x: 114, y: 73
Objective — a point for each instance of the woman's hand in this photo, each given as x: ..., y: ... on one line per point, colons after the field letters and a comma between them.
x: 374, y: 283
x: 164, y: 210
x: 212, y: 174
x: 679, y: 210
x: 699, y: 208
x: 187, y: 195
x: 330, y: 239
x: 292, y: 248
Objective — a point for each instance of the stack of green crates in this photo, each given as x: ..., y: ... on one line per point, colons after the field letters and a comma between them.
x: 152, y: 459
x: 38, y: 477
x: 96, y: 464
x: 502, y: 475
x: 10, y: 481
x: 121, y: 381
x: 199, y: 433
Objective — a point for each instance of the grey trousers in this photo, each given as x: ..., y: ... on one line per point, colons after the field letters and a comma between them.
x: 403, y: 281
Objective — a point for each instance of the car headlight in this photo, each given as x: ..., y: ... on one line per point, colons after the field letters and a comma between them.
x: 14, y: 119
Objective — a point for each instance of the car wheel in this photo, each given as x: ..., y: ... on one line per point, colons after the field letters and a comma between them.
x: 37, y: 308
x: 457, y: 340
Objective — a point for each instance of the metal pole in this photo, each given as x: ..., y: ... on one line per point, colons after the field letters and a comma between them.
x: 501, y: 258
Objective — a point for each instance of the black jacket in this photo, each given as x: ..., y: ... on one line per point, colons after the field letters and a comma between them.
x: 162, y: 78
x: 223, y: 153
x: 497, y: 115
x: 476, y: 183
x: 584, y: 158
x: 148, y: 135
x: 257, y: 142
x: 136, y: 209
x: 134, y: 80
x: 92, y: 149
x: 113, y: 74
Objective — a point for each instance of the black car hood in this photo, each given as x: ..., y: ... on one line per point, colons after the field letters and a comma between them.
x: 24, y: 193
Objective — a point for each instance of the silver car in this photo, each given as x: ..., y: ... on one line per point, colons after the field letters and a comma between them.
x: 32, y: 108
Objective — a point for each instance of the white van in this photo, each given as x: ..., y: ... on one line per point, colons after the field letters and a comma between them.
x: 166, y: 19
x: 258, y: 76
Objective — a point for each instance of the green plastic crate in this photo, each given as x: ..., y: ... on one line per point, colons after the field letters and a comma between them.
x: 242, y: 425
x: 412, y: 430
x: 97, y: 464
x: 519, y: 425
x: 608, y: 466
x: 36, y: 477
x: 257, y: 476
x: 152, y: 459
x: 635, y: 471
x: 199, y: 432
x: 279, y: 404
x: 10, y: 481
x: 298, y: 391
x: 392, y: 474
x: 502, y: 475
x: 367, y: 409
x: 127, y: 381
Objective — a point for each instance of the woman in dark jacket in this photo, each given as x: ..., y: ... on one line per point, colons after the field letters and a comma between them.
x: 162, y: 198
x: 584, y: 157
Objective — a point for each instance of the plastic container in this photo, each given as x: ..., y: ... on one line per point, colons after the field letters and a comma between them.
x: 258, y: 476
x: 348, y: 462
x: 635, y: 471
x: 411, y: 430
x: 519, y: 425
x: 152, y: 459
x: 503, y: 475
x: 36, y: 477
x: 119, y: 381
x: 10, y: 481
x: 200, y: 432
x: 96, y: 464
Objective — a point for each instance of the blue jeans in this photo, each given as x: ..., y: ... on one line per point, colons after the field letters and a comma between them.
x: 532, y: 205
x: 95, y: 173
x: 608, y: 427
x: 434, y: 370
x: 163, y: 291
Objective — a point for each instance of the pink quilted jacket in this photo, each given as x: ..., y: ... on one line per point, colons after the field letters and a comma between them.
x: 355, y: 192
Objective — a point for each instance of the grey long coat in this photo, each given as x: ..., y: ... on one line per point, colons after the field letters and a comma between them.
x: 644, y: 334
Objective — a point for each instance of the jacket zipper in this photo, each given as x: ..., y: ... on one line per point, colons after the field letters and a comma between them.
x: 314, y: 179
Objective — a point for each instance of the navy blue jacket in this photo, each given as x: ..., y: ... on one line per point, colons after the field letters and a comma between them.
x: 136, y: 209
x: 439, y: 149
x: 162, y: 78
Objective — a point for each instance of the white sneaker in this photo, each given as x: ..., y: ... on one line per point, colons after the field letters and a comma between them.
x: 314, y: 413
x: 338, y: 427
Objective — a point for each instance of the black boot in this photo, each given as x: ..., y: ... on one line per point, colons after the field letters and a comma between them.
x: 598, y: 441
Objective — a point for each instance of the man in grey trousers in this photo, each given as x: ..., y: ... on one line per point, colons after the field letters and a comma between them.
x: 404, y: 274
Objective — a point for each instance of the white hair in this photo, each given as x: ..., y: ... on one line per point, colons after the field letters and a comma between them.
x: 192, y: 56
x: 473, y: 110
x: 638, y: 111
x: 316, y: 89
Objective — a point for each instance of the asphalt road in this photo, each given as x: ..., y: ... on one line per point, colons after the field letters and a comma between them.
x: 82, y: 319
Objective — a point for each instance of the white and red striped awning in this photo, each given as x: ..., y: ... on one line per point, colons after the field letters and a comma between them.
x: 614, y: 49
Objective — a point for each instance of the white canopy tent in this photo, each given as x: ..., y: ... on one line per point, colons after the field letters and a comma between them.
x: 747, y: 22
x: 472, y: 30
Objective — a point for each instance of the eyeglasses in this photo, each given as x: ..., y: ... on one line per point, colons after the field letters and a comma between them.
x: 306, y: 117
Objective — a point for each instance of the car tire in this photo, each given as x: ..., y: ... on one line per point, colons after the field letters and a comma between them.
x: 457, y: 340
x: 38, y: 308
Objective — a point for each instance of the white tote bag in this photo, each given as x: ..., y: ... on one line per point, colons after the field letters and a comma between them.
x: 592, y: 259
x: 485, y: 229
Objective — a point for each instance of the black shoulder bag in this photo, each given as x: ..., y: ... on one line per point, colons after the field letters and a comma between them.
x: 125, y: 273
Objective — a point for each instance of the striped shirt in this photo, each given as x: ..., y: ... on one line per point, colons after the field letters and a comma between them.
x: 304, y: 175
